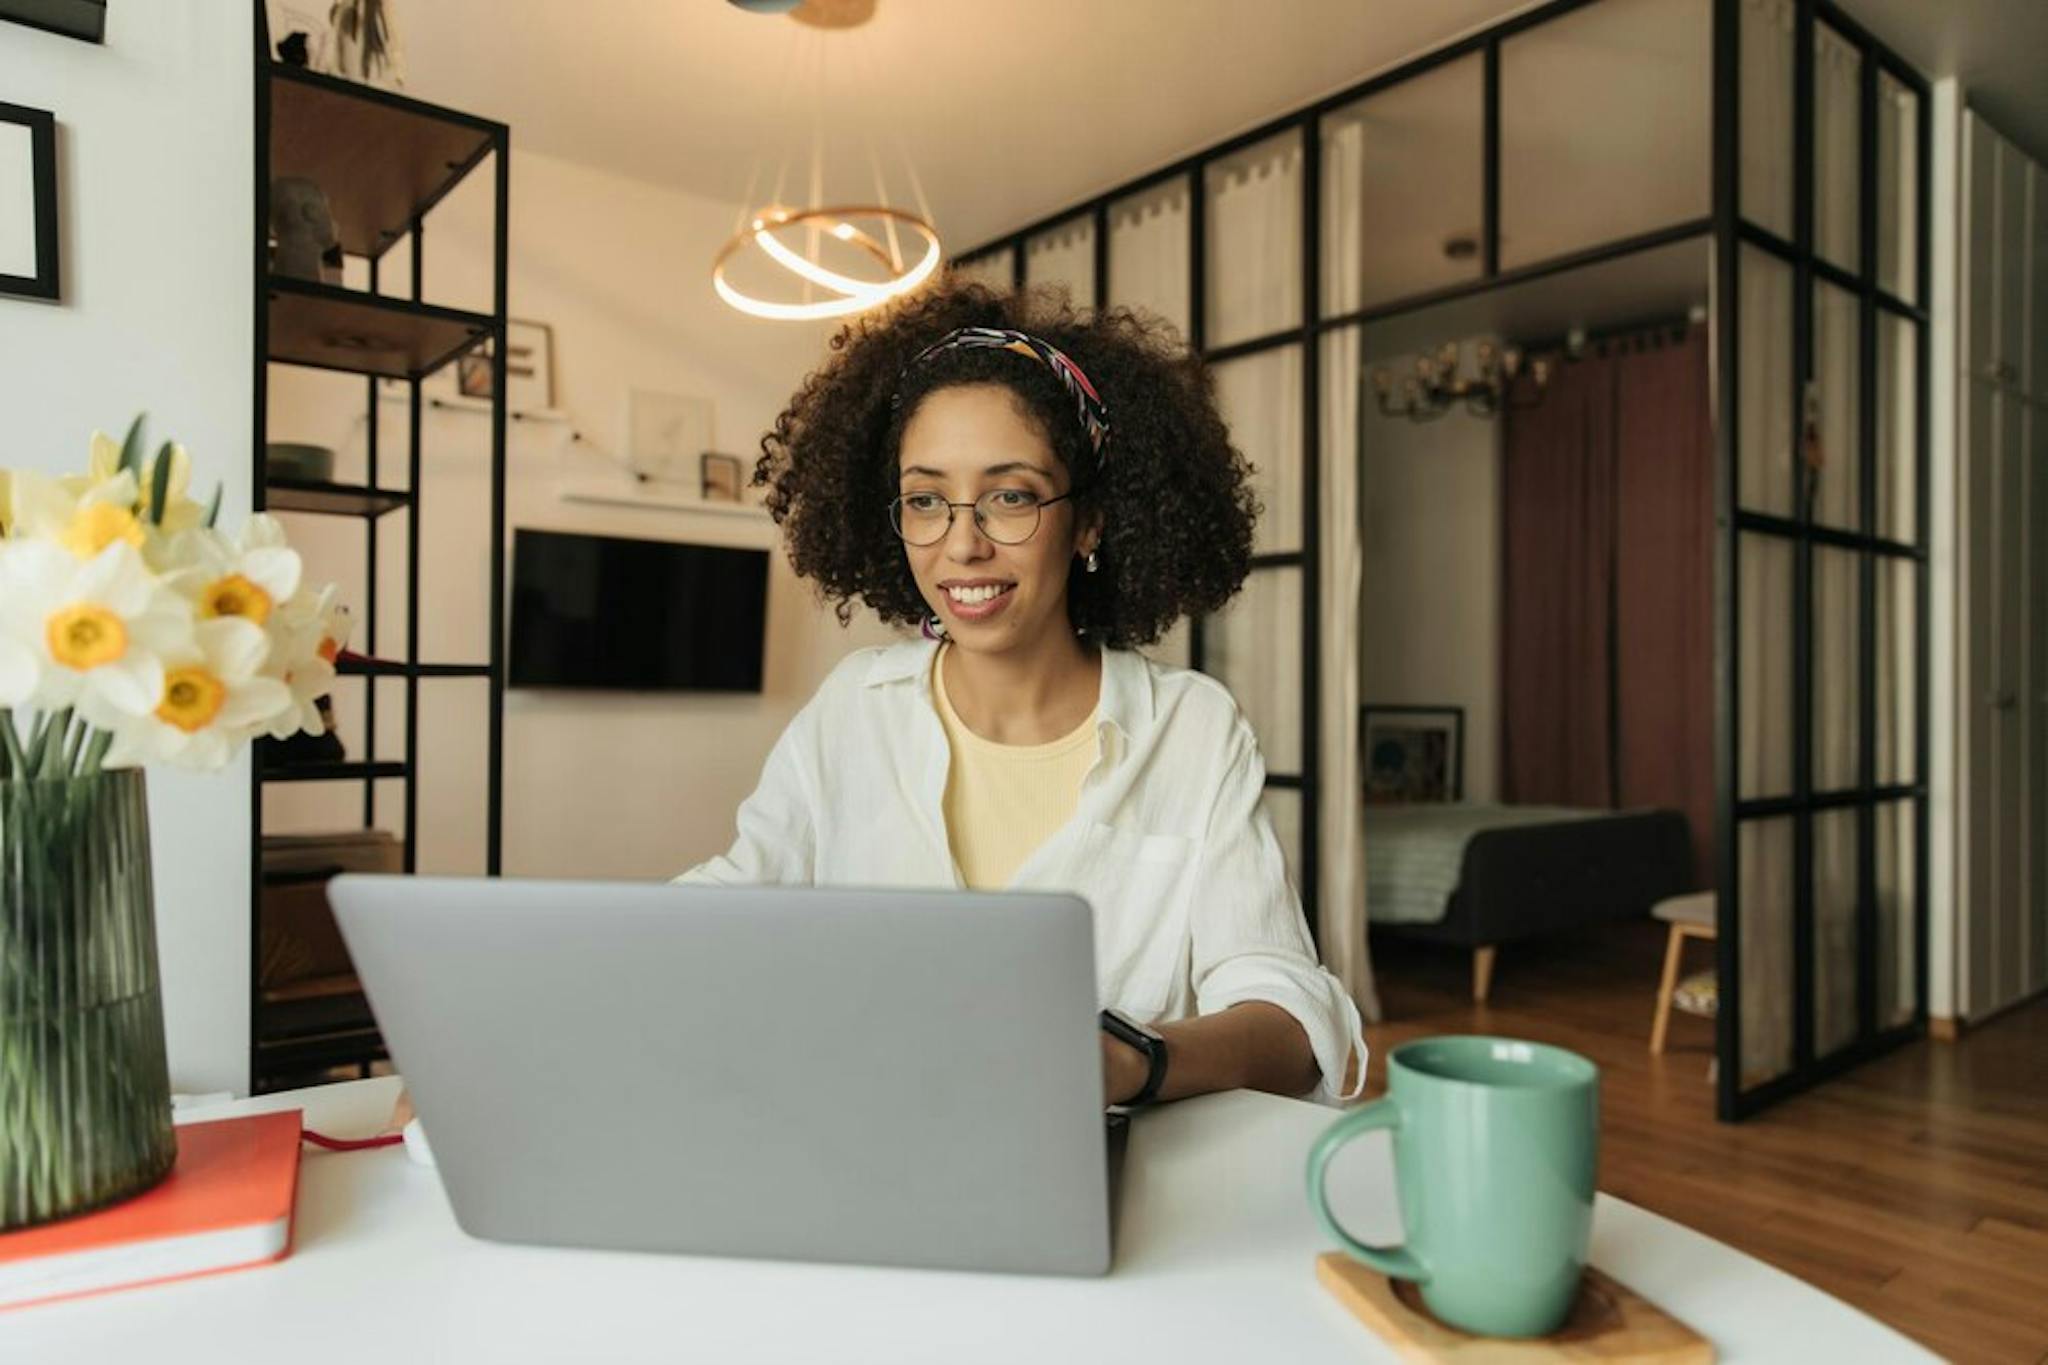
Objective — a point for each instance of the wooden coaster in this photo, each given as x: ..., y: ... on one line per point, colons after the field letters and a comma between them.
x: 1609, y: 1322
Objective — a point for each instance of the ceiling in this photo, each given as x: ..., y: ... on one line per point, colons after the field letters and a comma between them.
x: 1999, y: 49
x: 1010, y: 109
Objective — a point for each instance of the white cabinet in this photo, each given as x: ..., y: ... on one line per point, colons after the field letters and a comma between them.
x: 2002, y: 699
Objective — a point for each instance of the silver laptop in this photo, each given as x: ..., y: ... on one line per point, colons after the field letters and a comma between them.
x: 884, y: 1077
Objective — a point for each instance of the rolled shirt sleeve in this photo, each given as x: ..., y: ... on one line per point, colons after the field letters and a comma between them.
x: 1249, y: 939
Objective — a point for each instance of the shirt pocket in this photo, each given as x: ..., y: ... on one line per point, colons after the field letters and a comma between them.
x: 1138, y: 885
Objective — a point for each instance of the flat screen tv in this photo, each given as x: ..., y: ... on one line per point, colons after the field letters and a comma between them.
x: 635, y: 615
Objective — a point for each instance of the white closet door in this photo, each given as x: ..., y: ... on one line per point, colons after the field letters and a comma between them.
x: 1980, y: 207
x: 2009, y: 624
x: 2034, y: 389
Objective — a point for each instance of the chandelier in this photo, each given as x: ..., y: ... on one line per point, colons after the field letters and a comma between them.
x: 820, y: 260
x: 1437, y: 385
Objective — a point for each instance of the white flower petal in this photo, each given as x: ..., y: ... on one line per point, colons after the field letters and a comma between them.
x: 234, y: 647
x: 132, y: 684
x: 275, y: 570
x: 20, y: 670
x: 253, y: 704
x: 114, y: 577
x: 262, y: 532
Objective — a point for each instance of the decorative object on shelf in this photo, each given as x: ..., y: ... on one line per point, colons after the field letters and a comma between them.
x: 828, y: 257
x: 1413, y: 753
x: 366, y: 46
x: 28, y: 202
x: 131, y: 631
x: 85, y: 20
x: 303, y: 225
x: 529, y: 367
x: 298, y: 460
x: 665, y: 433
x: 473, y: 375
x: 720, y: 480
x: 1436, y: 386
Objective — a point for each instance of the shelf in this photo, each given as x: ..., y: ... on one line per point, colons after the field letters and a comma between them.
x: 391, y: 668
x: 659, y: 502
x: 331, y: 499
x: 328, y: 772
x: 383, y: 159
x: 346, y: 329
x: 459, y: 403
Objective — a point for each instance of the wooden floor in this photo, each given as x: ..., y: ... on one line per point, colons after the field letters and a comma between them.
x: 1915, y: 1188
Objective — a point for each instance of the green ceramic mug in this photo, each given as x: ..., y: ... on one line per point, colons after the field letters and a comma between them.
x: 1495, y: 1145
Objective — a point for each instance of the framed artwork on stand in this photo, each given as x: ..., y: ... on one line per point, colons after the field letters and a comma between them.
x: 1413, y: 753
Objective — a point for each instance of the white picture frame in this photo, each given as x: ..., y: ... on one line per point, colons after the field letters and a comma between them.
x: 666, y: 433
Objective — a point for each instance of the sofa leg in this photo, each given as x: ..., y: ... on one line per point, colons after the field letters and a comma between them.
x: 1482, y: 974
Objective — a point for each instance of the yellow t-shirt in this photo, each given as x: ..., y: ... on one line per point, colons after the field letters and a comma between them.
x: 1004, y: 800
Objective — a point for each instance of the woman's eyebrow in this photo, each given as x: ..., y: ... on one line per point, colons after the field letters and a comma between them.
x: 1008, y: 467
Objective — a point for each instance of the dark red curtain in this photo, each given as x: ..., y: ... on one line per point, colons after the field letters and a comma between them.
x: 1557, y: 567
x: 1607, y: 586
x: 1664, y: 585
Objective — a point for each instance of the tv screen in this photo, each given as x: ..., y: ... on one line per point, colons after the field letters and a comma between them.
x: 635, y: 615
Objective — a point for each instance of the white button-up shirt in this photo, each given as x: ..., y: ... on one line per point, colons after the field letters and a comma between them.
x: 1168, y: 842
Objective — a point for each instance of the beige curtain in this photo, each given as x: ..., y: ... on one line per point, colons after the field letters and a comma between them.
x: 1341, y: 929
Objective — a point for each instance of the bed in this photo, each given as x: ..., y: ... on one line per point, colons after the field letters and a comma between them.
x: 1479, y: 876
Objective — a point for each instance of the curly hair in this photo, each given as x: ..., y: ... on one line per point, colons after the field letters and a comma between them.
x: 1173, y: 494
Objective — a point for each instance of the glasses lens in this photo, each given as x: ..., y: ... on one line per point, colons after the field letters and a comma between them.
x: 920, y: 519
x: 1007, y: 516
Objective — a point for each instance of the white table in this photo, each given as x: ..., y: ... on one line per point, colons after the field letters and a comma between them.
x: 1214, y: 1262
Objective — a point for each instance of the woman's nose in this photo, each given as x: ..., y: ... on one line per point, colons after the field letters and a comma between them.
x: 965, y: 541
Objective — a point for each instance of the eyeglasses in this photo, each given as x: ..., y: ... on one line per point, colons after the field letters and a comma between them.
x: 1007, y: 516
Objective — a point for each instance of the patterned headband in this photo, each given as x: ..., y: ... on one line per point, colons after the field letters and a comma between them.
x: 1094, y: 416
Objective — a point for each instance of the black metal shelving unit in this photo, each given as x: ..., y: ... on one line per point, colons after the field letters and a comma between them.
x: 384, y: 161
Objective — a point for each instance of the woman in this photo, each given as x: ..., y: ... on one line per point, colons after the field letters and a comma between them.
x: 1042, y: 493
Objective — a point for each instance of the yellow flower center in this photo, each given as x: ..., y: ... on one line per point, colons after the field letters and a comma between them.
x: 86, y: 636
x: 235, y: 596
x: 192, y: 698
x: 97, y: 525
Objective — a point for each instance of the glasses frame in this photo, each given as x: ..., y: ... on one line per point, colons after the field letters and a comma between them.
x: 980, y: 520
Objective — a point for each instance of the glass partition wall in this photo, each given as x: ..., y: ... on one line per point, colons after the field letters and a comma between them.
x: 1788, y: 141
x: 1822, y: 207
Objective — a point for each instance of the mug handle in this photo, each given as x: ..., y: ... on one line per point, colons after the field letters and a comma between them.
x: 1396, y: 1261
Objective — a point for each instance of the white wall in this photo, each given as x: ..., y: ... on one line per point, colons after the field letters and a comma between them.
x: 600, y: 786
x: 1430, y: 603
x: 153, y: 143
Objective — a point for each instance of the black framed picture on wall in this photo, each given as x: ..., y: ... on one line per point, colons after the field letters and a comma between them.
x: 28, y: 202
x: 85, y: 20
x: 1412, y: 753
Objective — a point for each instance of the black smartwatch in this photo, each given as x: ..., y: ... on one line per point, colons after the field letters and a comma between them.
x: 1148, y: 1042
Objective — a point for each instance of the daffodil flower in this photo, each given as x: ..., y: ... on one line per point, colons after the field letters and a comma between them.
x: 306, y: 636
x: 214, y: 698
x: 249, y: 577
x: 83, y: 520
x: 98, y: 628
x: 104, y: 466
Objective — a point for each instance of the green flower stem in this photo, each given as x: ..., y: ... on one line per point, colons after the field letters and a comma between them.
x: 11, y: 758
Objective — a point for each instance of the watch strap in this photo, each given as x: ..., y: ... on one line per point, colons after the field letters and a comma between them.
x: 1149, y: 1043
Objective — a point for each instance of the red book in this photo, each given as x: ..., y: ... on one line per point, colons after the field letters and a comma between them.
x: 225, y: 1205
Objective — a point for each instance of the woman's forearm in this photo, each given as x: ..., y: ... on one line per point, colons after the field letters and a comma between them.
x: 1253, y: 1046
